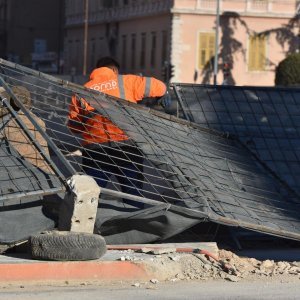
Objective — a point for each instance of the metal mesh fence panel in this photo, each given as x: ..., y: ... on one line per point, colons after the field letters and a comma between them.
x: 25, y: 172
x: 266, y: 120
x: 159, y: 158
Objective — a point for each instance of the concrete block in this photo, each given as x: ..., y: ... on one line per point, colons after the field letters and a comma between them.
x: 78, y: 209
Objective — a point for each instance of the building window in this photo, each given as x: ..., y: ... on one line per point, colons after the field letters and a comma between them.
x: 93, y: 53
x: 206, y: 46
x: 153, y: 50
x: 133, y: 50
x: 257, y: 53
x: 164, y: 47
x: 70, y: 50
x: 143, y: 50
x: 78, y: 53
x: 124, y: 51
x: 109, y: 3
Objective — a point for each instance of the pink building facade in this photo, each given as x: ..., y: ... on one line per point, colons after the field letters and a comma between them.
x: 254, y: 36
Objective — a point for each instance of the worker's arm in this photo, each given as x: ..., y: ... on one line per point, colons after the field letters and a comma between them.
x: 155, y: 92
x: 78, y: 111
x: 147, y: 87
x: 157, y: 88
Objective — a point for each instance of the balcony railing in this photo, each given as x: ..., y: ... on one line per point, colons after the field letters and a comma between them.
x: 259, y: 5
x: 121, y: 13
x: 207, y: 4
x: 152, y: 7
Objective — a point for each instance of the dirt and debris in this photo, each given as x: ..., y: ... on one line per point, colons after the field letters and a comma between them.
x: 158, y: 251
x: 246, y: 266
x: 173, y: 266
x: 225, y: 265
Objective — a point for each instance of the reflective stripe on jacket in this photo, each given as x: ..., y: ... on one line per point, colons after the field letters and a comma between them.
x: 95, y: 128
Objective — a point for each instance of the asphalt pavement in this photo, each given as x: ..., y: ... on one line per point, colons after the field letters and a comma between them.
x: 216, y: 289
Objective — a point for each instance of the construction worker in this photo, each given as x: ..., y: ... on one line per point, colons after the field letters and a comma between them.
x: 107, y: 149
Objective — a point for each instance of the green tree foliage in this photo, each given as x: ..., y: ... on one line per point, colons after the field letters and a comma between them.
x: 288, y: 71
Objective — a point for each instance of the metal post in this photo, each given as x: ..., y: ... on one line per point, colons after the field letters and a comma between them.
x: 167, y: 70
x: 85, y: 42
x: 180, y: 102
x: 60, y: 28
x: 217, y: 43
x: 298, y: 23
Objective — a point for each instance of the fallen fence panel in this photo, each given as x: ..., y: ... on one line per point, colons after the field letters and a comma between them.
x: 265, y: 119
x: 191, y: 170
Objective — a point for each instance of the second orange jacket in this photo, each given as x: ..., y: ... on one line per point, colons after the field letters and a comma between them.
x: 96, y: 128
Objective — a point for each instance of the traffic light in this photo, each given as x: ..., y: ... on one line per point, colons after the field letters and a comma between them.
x: 171, y: 71
x: 164, y: 73
x: 167, y: 71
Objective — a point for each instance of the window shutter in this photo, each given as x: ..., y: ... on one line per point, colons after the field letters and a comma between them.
x: 257, y: 53
x: 251, y: 65
x: 206, y: 48
x: 262, y: 53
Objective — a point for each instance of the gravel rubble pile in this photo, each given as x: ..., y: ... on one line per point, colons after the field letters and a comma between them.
x: 173, y: 266
x: 244, y: 266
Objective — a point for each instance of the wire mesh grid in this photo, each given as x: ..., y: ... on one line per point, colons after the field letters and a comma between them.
x: 158, y: 157
x: 266, y: 120
x: 24, y: 173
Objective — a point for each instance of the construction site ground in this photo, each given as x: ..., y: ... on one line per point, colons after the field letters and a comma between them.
x: 151, y: 265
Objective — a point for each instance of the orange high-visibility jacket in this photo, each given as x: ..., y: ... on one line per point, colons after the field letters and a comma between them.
x: 95, y: 128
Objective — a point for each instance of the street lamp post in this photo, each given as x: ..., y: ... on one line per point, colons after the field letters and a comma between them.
x: 85, y: 38
x: 298, y: 23
x: 216, y: 58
